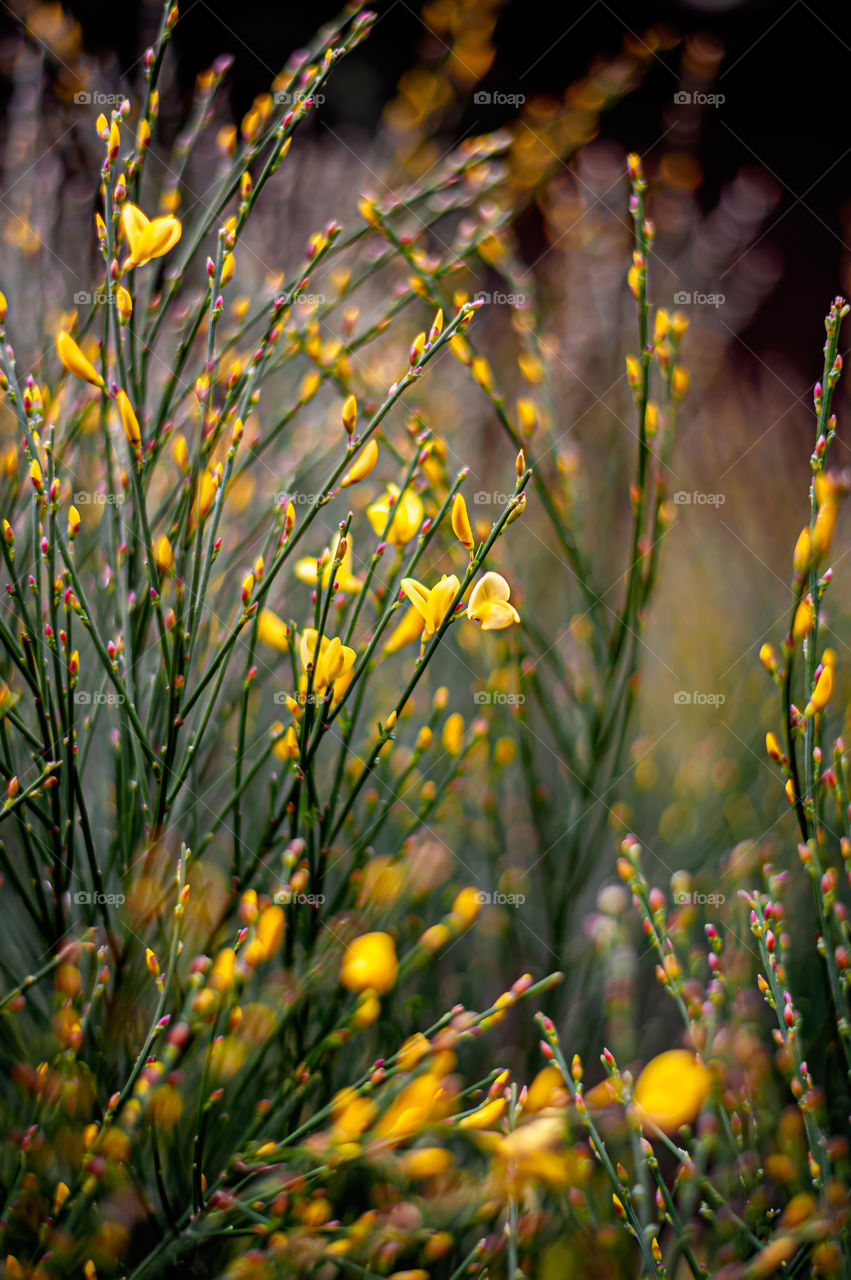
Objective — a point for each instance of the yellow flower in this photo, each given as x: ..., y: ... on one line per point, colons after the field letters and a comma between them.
x: 306, y: 570
x: 335, y: 659
x: 803, y: 553
x: 129, y: 421
x: 467, y: 905
x: 489, y: 603
x: 273, y: 631
x: 370, y: 962
x: 453, y: 734
x: 804, y: 620
x: 672, y: 1089
x: 408, y: 630
x: 824, y: 687
x: 74, y: 360
x: 124, y: 303
x: 425, y: 1162
x: 350, y: 414
x: 363, y: 465
x: 407, y: 511
x: 432, y: 605
x: 485, y: 1116
x: 286, y: 748
x: 147, y: 238
x: 419, y: 1103
x: 826, y: 498
x: 164, y: 555
x: 461, y: 523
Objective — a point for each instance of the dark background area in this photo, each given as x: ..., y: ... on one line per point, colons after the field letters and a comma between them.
x: 784, y: 74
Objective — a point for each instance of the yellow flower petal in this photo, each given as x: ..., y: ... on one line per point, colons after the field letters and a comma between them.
x: 273, y: 631
x: 672, y: 1089
x: 74, y: 360
x: 363, y: 465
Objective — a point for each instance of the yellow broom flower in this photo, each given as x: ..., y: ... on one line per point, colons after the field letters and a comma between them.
x: 407, y: 512
x: 164, y: 555
x: 129, y: 421
x: 363, y: 465
x: 489, y: 603
x: 273, y: 631
x: 431, y: 604
x: 407, y: 631
x: 74, y: 360
x: 147, y: 238
x: 672, y: 1089
x: 823, y: 689
x: 335, y: 659
x: 461, y: 523
x: 370, y: 963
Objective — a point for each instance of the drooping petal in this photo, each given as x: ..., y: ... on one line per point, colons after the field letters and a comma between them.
x: 418, y: 596
x: 491, y: 586
x: 497, y: 614
x: 408, y: 630
x: 129, y: 421
x: 162, y: 235
x: 74, y: 360
x: 307, y: 646
x: 461, y: 523
x: 363, y: 465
